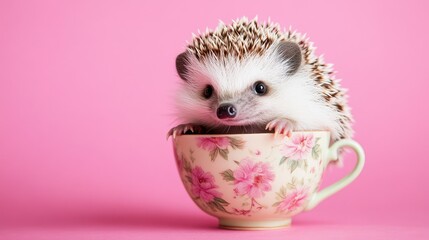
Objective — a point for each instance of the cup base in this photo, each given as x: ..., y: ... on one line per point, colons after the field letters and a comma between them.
x: 240, y: 224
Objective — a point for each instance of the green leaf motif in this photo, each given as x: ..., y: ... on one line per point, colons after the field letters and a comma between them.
x: 191, y: 153
x: 187, y: 166
x: 283, y: 160
x: 224, y: 153
x: 237, y: 162
x: 277, y: 204
x: 305, y: 165
x: 221, y: 201
x: 293, y: 165
x: 228, y: 175
x: 280, y: 195
x: 189, y: 179
x: 212, y: 207
x: 315, y: 152
x: 236, y: 143
x: 216, y: 206
x: 213, y: 154
x: 291, y: 185
x: 283, y: 191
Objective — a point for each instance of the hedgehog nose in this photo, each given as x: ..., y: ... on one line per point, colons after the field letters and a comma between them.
x: 226, y: 110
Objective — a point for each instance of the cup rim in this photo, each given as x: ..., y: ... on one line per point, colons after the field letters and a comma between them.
x: 249, y: 134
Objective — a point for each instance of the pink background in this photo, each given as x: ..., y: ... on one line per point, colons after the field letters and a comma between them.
x: 85, y: 102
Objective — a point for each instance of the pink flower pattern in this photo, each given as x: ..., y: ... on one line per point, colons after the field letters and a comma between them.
x: 253, y: 179
x: 292, y: 201
x: 203, y: 185
x: 212, y: 143
x: 299, y: 146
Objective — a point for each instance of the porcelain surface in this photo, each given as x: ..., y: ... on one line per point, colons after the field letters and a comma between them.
x: 256, y: 181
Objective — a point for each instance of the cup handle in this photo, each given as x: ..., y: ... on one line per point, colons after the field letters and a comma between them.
x: 340, y: 184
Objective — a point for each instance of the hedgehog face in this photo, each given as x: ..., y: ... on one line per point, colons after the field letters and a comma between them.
x: 232, y: 91
x: 248, y: 73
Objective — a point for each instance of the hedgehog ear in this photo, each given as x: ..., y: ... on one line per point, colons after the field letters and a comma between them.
x: 290, y: 52
x: 182, y: 61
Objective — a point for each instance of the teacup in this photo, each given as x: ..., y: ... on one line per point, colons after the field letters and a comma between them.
x: 259, y: 181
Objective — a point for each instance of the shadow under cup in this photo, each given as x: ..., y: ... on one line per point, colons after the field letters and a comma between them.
x: 259, y: 181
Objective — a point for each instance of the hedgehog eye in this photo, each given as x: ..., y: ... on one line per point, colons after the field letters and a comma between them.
x: 260, y: 88
x: 208, y: 91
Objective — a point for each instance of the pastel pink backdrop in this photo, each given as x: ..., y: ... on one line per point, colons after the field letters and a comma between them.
x: 85, y: 103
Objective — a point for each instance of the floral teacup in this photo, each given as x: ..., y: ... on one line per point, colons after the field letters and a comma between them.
x: 259, y: 181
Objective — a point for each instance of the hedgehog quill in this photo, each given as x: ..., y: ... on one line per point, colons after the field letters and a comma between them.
x: 252, y: 77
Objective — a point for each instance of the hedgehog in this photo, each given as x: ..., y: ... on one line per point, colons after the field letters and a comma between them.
x: 252, y: 77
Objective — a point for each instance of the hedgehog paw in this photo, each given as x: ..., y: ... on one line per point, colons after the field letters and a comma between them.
x: 182, y: 129
x: 280, y: 126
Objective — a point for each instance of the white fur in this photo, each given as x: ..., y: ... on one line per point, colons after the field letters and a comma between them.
x: 294, y: 97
